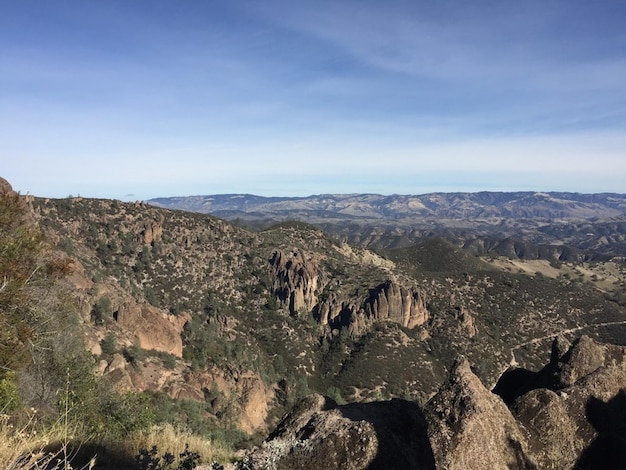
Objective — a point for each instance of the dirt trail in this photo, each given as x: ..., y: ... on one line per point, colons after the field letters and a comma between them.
x: 514, y: 363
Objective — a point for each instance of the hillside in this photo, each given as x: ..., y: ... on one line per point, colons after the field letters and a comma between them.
x: 223, y: 329
x: 297, y: 309
x: 528, y: 225
x: 481, y: 205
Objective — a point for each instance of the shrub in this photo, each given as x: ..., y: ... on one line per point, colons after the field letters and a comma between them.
x: 169, y: 361
x: 67, y: 245
x: 9, y: 395
x: 101, y: 310
x: 108, y: 344
x: 135, y: 354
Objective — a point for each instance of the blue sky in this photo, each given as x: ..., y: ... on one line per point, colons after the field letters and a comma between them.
x: 139, y: 99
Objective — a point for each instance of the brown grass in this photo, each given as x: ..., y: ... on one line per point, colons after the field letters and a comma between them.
x: 167, y: 438
x: 29, y: 446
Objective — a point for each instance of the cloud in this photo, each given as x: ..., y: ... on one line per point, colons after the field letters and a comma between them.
x: 305, y: 96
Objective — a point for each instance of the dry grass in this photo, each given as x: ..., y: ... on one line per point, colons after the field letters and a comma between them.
x: 169, y: 439
x: 28, y: 446
x: 607, y: 276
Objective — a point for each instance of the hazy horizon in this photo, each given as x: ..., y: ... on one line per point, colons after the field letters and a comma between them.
x: 145, y: 99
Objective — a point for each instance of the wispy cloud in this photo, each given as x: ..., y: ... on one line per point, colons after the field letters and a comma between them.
x: 143, y: 97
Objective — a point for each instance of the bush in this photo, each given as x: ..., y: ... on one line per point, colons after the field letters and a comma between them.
x: 67, y: 245
x: 101, y: 310
x: 134, y: 354
x: 108, y: 344
x: 150, y: 460
x: 9, y: 395
x: 169, y: 361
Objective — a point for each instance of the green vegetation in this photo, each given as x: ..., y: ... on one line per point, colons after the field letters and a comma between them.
x: 240, y: 340
x: 101, y: 310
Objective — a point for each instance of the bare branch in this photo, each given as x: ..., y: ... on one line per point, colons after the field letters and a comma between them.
x: 32, y: 274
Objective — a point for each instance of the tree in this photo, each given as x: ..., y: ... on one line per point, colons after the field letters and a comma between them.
x: 27, y: 271
x: 20, y: 248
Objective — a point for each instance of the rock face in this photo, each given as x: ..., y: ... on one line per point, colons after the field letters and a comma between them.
x: 553, y: 440
x: 576, y: 411
x: 572, y: 414
x: 5, y: 186
x: 389, y: 301
x: 296, y: 280
x: 151, y: 233
x: 153, y: 328
x: 320, y: 434
x: 471, y: 428
x: 255, y: 399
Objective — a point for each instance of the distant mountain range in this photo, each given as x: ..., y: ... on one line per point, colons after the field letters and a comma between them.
x: 529, y: 225
x: 481, y: 205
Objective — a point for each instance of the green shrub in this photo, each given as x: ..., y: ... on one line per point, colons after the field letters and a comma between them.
x: 101, y: 310
x: 134, y: 354
x: 169, y: 361
x: 334, y: 393
x: 108, y: 344
x: 9, y: 395
x: 67, y: 245
x: 151, y: 460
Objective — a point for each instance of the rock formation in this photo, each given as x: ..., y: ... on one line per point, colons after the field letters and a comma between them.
x: 296, y: 280
x: 389, y: 301
x: 565, y: 413
x: 470, y: 427
x: 152, y: 327
x: 151, y: 233
x: 5, y: 186
x: 320, y: 434
x: 572, y: 414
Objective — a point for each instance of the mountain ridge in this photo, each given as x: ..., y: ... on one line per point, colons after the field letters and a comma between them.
x: 557, y: 226
x: 484, y: 204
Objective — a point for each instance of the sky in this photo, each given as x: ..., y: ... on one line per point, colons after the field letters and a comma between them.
x: 135, y: 99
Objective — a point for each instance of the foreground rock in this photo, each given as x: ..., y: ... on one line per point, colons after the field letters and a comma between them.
x: 320, y: 434
x: 576, y: 412
x: 470, y: 427
x: 571, y: 414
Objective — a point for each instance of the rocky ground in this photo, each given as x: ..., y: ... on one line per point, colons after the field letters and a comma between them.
x: 570, y: 414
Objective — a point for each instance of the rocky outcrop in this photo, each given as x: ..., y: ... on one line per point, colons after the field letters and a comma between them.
x: 296, y: 280
x: 577, y: 420
x: 5, y: 186
x: 471, y: 428
x: 255, y: 400
x: 570, y: 414
x: 151, y: 233
x: 574, y: 412
x: 336, y: 311
x: 219, y: 387
x: 466, y: 322
x: 320, y: 434
x: 390, y: 301
x: 552, y: 432
x: 152, y: 327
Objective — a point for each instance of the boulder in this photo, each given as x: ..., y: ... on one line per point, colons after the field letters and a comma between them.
x: 320, y: 434
x: 471, y: 428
